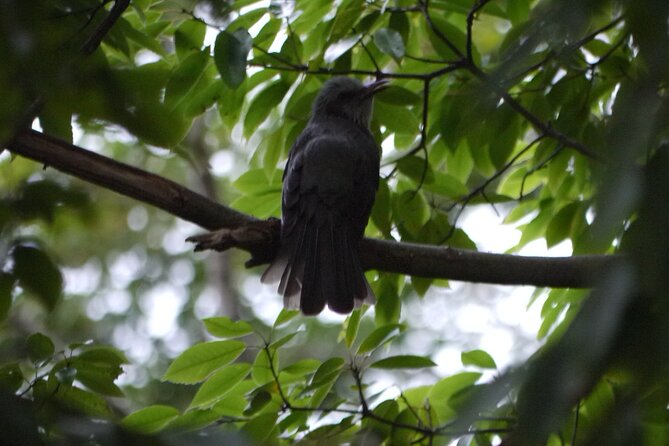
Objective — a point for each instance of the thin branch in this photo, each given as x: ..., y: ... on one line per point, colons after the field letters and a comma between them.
x: 402, y: 258
x: 577, y: 44
x: 539, y: 166
x: 463, y: 201
x: 94, y: 40
x: 383, y: 75
x: 470, y: 24
x: 576, y: 416
x: 369, y: 54
x: 435, y: 29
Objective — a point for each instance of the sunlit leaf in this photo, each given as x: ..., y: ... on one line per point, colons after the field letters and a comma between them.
x: 478, y: 358
x: 378, y: 337
x: 224, y: 327
x: 219, y: 384
x: 200, y: 360
x: 150, y: 419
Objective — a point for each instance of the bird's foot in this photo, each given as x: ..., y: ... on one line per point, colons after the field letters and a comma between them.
x: 260, y: 238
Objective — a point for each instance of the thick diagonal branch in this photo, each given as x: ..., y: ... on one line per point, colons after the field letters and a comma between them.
x: 402, y: 258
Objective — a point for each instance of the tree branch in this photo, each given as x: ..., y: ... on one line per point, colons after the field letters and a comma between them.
x: 94, y: 40
x: 126, y: 180
x: 402, y: 258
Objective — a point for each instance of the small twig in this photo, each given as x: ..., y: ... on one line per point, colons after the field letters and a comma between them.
x: 463, y: 201
x: 358, y: 384
x: 94, y: 40
x: 539, y: 166
x: 369, y: 54
x: 470, y: 23
x: 383, y: 75
x: 576, y: 416
x: 291, y: 36
x: 433, y: 27
x: 275, y: 376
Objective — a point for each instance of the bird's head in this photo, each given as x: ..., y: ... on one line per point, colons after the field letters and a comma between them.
x: 347, y: 98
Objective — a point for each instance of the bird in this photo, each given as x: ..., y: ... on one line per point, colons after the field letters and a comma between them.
x: 329, y: 186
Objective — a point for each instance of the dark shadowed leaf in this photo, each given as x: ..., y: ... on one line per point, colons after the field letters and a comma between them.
x: 37, y: 273
x: 390, y: 42
x: 403, y: 362
x: 230, y: 53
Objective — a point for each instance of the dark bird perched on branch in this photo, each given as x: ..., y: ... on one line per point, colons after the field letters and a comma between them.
x: 329, y: 186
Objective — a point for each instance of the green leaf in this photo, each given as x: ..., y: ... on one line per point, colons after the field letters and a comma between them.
x: 403, y: 362
x: 443, y: 390
x: 378, y: 337
x: 452, y: 33
x: 285, y: 339
x: 98, y: 375
x: 200, y: 360
x: 260, y: 399
x: 285, y: 316
x: 262, y: 369
x: 302, y: 367
x: 381, y: 211
x: 412, y: 210
x: 189, y: 36
x: 11, y: 377
x: 102, y: 354
x: 179, y: 88
x: 478, y: 358
x: 6, y: 288
x: 40, y: 347
x: 261, y: 206
x: 396, y: 95
x: 219, y: 385
x: 560, y: 225
x: 37, y: 273
x: 351, y: 325
x: 56, y: 120
x: 150, y: 419
x: 518, y: 10
x: 268, y: 32
x: 263, y: 104
x: 66, y: 375
x: 74, y: 398
x: 224, y: 327
x: 256, y: 182
x: 396, y: 119
x: 261, y: 429
x: 388, y: 307
x: 327, y: 373
x: 390, y: 42
x: 230, y: 53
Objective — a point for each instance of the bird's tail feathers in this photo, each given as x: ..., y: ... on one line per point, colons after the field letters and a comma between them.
x: 319, y: 265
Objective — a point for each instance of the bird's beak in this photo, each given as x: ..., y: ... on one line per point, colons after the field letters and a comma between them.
x: 376, y: 86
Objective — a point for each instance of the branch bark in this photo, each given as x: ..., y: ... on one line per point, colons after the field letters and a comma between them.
x: 402, y: 258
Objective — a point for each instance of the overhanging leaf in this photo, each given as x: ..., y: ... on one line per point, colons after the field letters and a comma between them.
x: 390, y: 42
x: 230, y: 53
